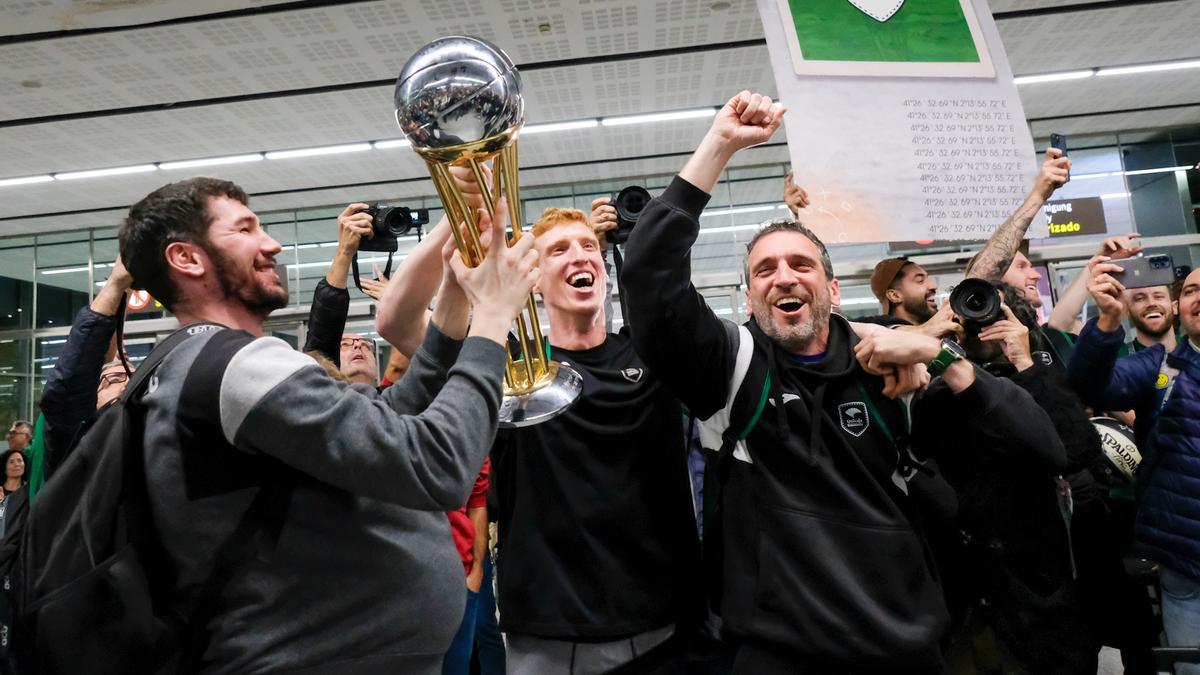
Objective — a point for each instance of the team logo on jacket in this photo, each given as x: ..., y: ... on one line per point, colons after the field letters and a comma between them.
x: 1043, y: 358
x: 634, y: 375
x: 853, y: 417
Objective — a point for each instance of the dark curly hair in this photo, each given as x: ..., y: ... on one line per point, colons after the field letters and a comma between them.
x: 1025, y: 313
x: 174, y: 212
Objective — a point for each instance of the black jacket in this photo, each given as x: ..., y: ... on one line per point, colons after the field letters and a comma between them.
x: 69, y: 397
x: 824, y: 552
x: 327, y: 321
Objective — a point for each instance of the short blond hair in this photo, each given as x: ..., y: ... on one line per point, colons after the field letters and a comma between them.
x: 553, y: 217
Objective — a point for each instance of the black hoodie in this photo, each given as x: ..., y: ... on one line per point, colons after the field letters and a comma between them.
x: 824, y: 553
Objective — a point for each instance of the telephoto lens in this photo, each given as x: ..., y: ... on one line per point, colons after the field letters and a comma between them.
x: 977, y: 303
x: 629, y: 203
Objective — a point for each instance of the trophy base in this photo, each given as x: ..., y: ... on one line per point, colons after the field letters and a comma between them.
x: 544, y: 403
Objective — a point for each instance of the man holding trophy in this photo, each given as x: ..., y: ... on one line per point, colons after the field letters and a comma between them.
x: 597, y: 531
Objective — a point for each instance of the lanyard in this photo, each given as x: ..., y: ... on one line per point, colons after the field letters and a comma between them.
x: 883, y: 426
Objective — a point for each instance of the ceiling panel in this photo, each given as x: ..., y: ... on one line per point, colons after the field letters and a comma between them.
x: 1119, y: 36
x: 366, y: 41
x: 335, y: 45
x: 322, y: 119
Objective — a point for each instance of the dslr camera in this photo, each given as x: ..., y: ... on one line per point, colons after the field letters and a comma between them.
x: 629, y: 204
x: 389, y: 223
x: 977, y: 303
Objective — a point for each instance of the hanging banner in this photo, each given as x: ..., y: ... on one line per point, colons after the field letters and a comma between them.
x: 904, y: 122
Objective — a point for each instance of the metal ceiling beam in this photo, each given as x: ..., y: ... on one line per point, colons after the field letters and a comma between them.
x: 1069, y: 9
x: 317, y: 4
x: 369, y: 84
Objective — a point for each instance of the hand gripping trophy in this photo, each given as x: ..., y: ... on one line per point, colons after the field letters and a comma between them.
x: 458, y: 100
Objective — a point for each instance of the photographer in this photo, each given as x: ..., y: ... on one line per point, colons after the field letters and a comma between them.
x: 1007, y: 562
x: 1162, y: 388
x: 603, y: 220
x: 331, y: 298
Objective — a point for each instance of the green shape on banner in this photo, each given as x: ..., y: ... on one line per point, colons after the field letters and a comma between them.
x: 920, y: 31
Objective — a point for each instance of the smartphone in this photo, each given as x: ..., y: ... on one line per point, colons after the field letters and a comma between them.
x: 1059, y: 141
x: 1146, y: 271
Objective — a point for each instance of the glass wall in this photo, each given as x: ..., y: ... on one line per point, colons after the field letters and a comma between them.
x: 1145, y: 182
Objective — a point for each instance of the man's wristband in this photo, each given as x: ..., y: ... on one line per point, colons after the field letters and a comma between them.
x: 951, y: 352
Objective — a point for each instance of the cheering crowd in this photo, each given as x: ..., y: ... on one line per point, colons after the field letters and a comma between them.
x: 802, y: 493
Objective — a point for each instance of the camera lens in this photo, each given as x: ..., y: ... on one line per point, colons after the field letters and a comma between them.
x: 392, y: 222
x: 629, y: 204
x: 976, y: 302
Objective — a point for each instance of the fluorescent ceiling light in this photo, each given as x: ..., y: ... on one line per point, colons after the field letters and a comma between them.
x: 393, y: 143
x: 65, y: 270
x: 1054, y: 77
x: 1161, y: 169
x: 26, y: 180
x: 859, y: 301
x: 323, y: 150
x: 734, y: 228
x: 560, y: 126
x: 1115, y: 195
x: 1149, y: 68
x: 361, y: 262
x: 96, y: 173
x: 658, y: 117
x: 1085, y: 176
x: 211, y: 161
x: 741, y: 209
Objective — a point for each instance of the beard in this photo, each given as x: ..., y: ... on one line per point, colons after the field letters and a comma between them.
x: 918, y: 308
x: 797, y: 337
x: 1142, y: 327
x: 246, y: 288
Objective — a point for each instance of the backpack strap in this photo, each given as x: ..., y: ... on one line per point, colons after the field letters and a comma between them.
x: 727, y: 429
x: 725, y: 432
x: 142, y: 375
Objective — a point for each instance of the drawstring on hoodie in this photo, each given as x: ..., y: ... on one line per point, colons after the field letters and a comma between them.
x: 817, y: 413
x: 816, y: 446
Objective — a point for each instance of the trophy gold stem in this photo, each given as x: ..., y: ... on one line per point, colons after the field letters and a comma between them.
x: 458, y: 100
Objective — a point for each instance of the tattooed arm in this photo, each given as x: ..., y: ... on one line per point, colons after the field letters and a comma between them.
x: 993, y: 261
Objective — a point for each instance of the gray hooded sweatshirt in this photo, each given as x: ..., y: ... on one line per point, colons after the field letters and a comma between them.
x: 364, y: 576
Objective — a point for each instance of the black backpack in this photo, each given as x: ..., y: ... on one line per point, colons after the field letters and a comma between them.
x: 90, y: 579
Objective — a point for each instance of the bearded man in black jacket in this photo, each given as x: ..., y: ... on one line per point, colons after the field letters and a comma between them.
x: 825, y: 564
